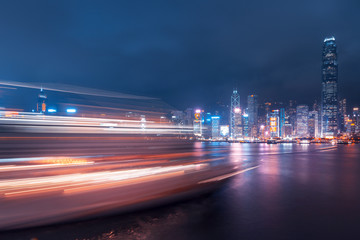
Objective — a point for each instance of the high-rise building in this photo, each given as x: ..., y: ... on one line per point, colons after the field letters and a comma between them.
x: 246, y: 129
x: 189, y: 116
x: 215, y: 127
x: 198, y: 131
x: 356, y: 120
x: 235, y: 115
x: 329, y: 95
x: 274, y: 123
x: 41, y: 102
x: 342, y: 116
x: 288, y: 128
x: 302, y: 115
x: 291, y: 113
x: 313, y: 124
x: 252, y: 106
x: 282, y: 122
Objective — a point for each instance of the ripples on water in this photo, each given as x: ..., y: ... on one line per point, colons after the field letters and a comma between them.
x: 299, y: 191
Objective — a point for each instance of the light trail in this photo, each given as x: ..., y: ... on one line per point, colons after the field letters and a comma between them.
x: 225, y: 176
x: 57, y: 124
x: 72, y: 89
x: 57, y: 168
x: 33, y: 185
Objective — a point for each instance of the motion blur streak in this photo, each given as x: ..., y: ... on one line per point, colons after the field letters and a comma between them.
x: 70, y: 89
x: 61, y: 168
x: 58, y: 124
x: 227, y: 175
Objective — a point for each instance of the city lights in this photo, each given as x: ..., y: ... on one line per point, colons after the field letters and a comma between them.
x: 179, y: 120
x: 71, y: 110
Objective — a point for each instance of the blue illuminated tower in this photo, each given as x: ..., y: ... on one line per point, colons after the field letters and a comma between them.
x: 329, y: 94
x: 235, y: 115
x: 282, y: 122
x: 215, y: 127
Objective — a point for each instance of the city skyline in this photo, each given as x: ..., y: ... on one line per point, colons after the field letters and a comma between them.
x: 182, y: 120
x: 180, y: 56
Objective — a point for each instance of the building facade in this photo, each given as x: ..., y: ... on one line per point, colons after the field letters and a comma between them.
x: 274, y: 123
x: 215, y: 127
x: 329, y: 94
x: 313, y: 124
x: 302, y: 115
x: 235, y: 115
x: 252, y: 106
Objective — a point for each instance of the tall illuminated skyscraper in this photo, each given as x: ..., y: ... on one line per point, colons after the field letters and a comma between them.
x: 197, y: 123
x: 215, y: 127
x: 342, y: 115
x: 235, y: 115
x: 356, y: 120
x: 282, y: 122
x: 313, y: 124
x: 274, y: 123
x: 329, y: 94
x: 302, y: 116
x: 253, y: 114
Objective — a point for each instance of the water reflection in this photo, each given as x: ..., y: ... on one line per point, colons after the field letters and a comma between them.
x: 296, y: 191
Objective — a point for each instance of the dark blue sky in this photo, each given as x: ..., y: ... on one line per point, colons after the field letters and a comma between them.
x: 186, y: 52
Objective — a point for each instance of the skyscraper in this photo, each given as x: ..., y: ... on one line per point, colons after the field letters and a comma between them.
x: 246, y: 129
x: 215, y: 127
x: 356, y: 119
x: 302, y: 116
x: 253, y: 114
x: 274, y: 123
x: 282, y: 122
x: 313, y: 124
x: 342, y: 115
x: 235, y: 115
x: 197, y: 123
x: 329, y: 94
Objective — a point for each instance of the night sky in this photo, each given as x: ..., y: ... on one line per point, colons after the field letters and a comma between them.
x: 188, y: 53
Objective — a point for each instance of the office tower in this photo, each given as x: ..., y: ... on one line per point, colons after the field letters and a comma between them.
x: 291, y: 113
x: 342, y: 116
x: 329, y: 95
x: 189, y: 116
x: 288, y: 129
x: 235, y: 115
x: 253, y: 114
x: 274, y: 123
x: 198, y: 123
x: 215, y: 127
x: 356, y: 120
x: 206, y: 125
x: 246, y: 129
x: 302, y: 115
x: 313, y: 124
x: 282, y: 122
x: 41, y: 102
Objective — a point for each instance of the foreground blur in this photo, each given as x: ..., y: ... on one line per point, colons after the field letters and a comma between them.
x: 55, y: 168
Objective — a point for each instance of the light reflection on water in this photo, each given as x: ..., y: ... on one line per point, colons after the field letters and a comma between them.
x: 295, y: 189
